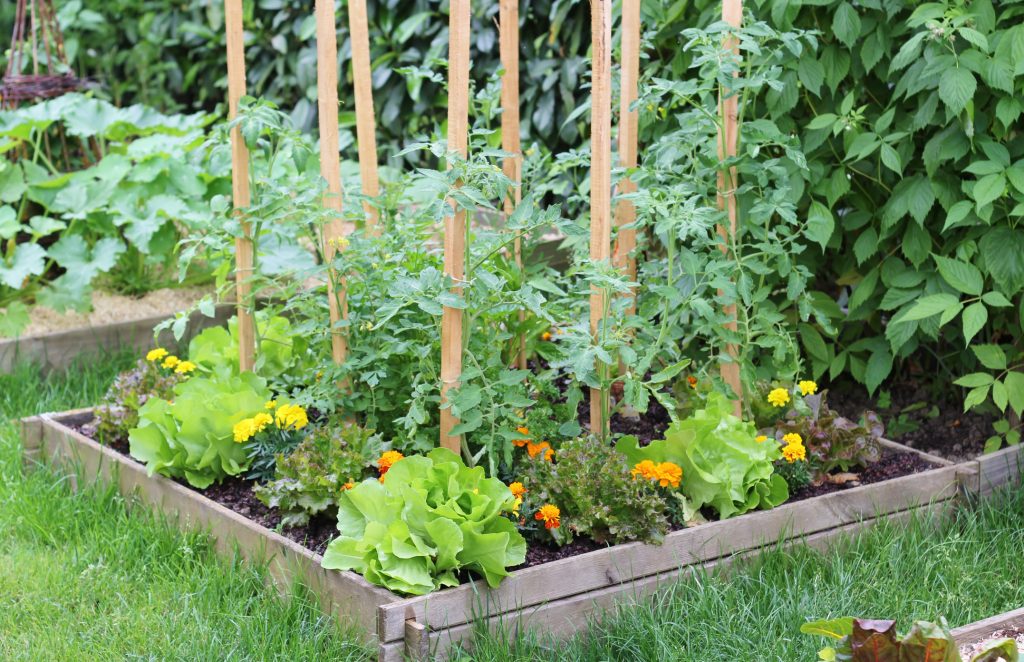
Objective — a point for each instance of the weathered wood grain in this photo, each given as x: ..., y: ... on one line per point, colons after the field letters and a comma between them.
x: 344, y: 593
x: 975, y: 632
x: 1000, y: 468
x: 614, y: 565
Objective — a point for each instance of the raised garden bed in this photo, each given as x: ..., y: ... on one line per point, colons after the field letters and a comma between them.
x: 56, y: 350
x: 1009, y: 625
x: 554, y: 597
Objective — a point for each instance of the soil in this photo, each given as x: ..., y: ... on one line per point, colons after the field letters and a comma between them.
x: 893, y: 464
x: 1017, y: 634
x: 921, y: 417
x: 109, y: 308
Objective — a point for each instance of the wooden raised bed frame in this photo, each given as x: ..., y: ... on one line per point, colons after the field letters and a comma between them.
x: 58, y: 350
x: 975, y: 632
x: 554, y: 598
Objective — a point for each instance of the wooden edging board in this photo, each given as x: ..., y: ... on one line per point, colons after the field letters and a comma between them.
x: 557, y: 596
x: 57, y: 351
x: 975, y: 632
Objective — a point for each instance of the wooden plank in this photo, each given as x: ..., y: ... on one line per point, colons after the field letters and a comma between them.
x: 240, y: 184
x: 1000, y: 468
x: 455, y: 225
x: 975, y: 632
x: 732, y: 13
x: 58, y: 350
x: 600, y: 180
x: 366, y: 131
x: 417, y: 641
x: 330, y: 165
x: 344, y: 593
x: 614, y: 565
x: 567, y: 616
x: 508, y: 33
x: 629, y: 127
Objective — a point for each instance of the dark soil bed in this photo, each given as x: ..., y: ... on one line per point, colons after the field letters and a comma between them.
x: 236, y: 495
x: 920, y: 416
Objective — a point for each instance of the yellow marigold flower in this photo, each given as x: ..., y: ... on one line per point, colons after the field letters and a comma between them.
x: 185, y: 367
x: 792, y: 438
x: 261, y: 420
x: 271, y: 404
x: 761, y: 438
x: 518, y: 489
x: 779, y: 397
x: 668, y: 474
x: 348, y: 486
x: 291, y: 416
x: 536, y: 449
x: 170, y: 362
x: 807, y: 387
x: 244, y: 430
x: 550, y: 515
x: 156, y: 354
x: 387, y: 459
x: 516, y: 505
x: 794, y: 452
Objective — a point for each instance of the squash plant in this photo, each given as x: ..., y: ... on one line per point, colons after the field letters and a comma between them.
x: 110, y: 203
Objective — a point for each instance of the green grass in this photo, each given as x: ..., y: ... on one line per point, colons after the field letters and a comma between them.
x: 82, y: 577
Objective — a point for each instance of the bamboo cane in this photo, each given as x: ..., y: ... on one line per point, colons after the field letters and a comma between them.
x: 508, y: 30
x: 732, y: 13
x: 600, y: 180
x: 240, y: 184
x: 330, y: 164
x: 366, y: 137
x: 455, y: 225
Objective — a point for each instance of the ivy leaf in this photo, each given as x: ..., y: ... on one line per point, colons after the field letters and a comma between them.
x: 974, y: 319
x: 963, y: 276
x: 28, y: 261
x: 957, y: 87
x: 820, y: 224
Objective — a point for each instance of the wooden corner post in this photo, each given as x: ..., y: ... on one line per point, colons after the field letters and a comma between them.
x: 240, y: 184
x: 728, y: 134
x: 508, y: 31
x: 455, y: 225
x: 330, y: 164
x: 600, y: 181
x: 629, y: 126
x: 366, y: 136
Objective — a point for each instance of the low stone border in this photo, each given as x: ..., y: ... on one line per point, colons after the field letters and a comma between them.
x: 555, y: 597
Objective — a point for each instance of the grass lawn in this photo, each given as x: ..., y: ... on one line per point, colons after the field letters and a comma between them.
x: 83, y: 579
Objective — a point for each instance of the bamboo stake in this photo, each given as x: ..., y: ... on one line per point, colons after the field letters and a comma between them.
x: 330, y: 164
x: 732, y: 13
x: 240, y: 184
x: 455, y: 225
x: 600, y: 179
x: 508, y: 30
x: 629, y: 124
x: 366, y: 137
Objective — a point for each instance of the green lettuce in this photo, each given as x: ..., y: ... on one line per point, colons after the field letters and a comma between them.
x: 193, y: 437
x: 278, y: 351
x: 430, y: 518
x: 723, y: 464
x: 863, y: 640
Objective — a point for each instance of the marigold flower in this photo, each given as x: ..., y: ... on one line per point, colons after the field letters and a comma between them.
x: 645, y: 468
x: 668, y: 474
x: 522, y: 429
x: 518, y: 489
x: 792, y: 438
x: 550, y: 515
x: 546, y: 336
x: 156, y: 354
x: 271, y: 404
x: 244, y: 430
x: 808, y: 387
x: 387, y: 459
x: 185, y: 367
x: 261, y: 421
x: 692, y: 381
x: 761, y: 438
x: 779, y: 397
x: 170, y: 362
x: 348, y: 486
x: 516, y: 505
x: 536, y: 449
x: 794, y: 452
x: 291, y: 416
x: 519, y: 443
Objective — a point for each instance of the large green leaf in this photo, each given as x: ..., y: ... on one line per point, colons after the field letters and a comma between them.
x: 28, y: 261
x: 1002, y: 250
x: 956, y: 87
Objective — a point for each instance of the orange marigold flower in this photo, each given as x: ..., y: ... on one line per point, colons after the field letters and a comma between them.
x: 546, y: 336
x: 518, y: 489
x: 543, y: 447
x: 692, y: 381
x: 669, y: 474
x: 348, y: 486
x: 645, y: 469
x: 550, y: 515
x: 522, y: 429
x: 387, y: 459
